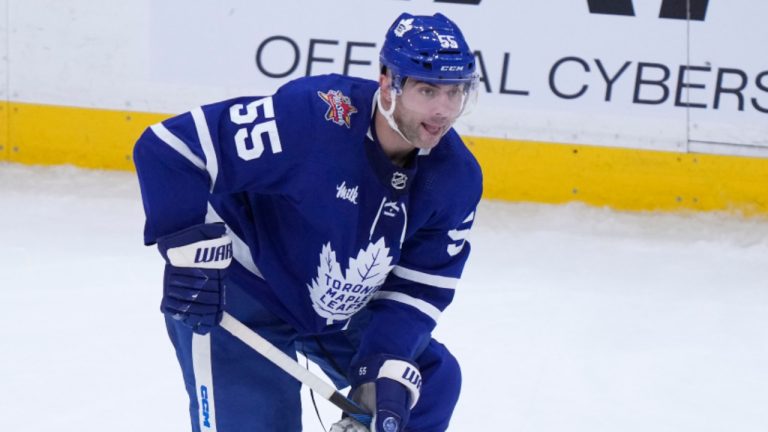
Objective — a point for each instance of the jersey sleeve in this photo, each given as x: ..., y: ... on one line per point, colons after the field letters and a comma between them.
x: 422, y: 285
x: 227, y: 147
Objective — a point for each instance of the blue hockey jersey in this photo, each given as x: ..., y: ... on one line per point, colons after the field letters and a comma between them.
x: 322, y: 222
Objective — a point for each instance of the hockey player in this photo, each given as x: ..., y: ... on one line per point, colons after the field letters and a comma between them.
x: 331, y: 218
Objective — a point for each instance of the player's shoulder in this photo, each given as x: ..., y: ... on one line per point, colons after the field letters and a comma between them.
x: 352, y: 85
x: 345, y: 95
x: 449, y: 183
x: 455, y: 165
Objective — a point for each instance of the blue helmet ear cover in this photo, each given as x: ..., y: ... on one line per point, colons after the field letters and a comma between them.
x: 429, y: 48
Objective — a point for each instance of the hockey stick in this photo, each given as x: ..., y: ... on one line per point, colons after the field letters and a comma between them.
x: 292, y: 368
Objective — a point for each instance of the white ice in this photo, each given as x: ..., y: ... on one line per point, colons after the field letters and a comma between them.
x: 568, y: 319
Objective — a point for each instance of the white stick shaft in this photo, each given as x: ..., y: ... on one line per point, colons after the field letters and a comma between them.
x: 291, y: 367
x: 279, y: 358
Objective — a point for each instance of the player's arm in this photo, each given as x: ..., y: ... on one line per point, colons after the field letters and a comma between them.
x: 384, y: 373
x: 221, y: 148
x: 421, y: 286
x: 215, y: 149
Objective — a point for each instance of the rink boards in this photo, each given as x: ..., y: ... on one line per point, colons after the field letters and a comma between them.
x: 627, y: 179
x: 652, y: 105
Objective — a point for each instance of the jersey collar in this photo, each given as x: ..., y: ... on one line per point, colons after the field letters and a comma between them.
x: 395, y: 178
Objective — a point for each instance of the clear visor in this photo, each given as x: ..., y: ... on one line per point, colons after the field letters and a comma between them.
x: 437, y: 100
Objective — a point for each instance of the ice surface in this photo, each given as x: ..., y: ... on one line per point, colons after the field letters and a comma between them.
x: 569, y: 318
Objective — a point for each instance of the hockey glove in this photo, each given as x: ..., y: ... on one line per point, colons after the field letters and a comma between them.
x: 193, y: 286
x: 387, y: 386
x: 348, y: 424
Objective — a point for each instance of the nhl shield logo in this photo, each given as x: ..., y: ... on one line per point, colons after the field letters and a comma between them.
x: 399, y: 180
x: 340, y: 108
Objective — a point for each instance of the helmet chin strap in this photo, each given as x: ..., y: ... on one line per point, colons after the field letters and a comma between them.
x: 388, y: 114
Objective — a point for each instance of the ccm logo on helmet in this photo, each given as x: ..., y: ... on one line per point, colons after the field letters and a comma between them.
x: 452, y: 68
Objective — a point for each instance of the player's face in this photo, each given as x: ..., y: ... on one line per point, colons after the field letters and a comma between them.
x: 425, y: 112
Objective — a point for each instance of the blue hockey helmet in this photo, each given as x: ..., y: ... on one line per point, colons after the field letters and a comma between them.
x: 429, y: 48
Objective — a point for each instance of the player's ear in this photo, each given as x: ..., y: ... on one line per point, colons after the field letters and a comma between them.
x: 385, y: 84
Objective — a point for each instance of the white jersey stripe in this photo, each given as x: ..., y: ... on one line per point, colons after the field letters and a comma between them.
x: 405, y: 224
x: 240, y: 250
x: 201, y: 367
x: 375, y: 221
x: 426, y: 308
x: 425, y: 278
x: 204, y: 136
x: 175, y: 143
x: 457, y: 234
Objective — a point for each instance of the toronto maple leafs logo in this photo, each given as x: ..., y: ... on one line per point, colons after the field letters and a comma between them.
x: 338, y: 295
x: 340, y: 108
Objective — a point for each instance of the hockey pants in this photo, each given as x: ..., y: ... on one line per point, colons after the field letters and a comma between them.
x: 234, y: 389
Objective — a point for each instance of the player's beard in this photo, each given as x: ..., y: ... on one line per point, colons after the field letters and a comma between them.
x: 422, y: 132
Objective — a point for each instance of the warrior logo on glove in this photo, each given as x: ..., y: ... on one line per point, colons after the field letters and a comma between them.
x: 217, y: 253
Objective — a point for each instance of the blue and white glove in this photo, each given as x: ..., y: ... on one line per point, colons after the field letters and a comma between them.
x: 389, y: 388
x: 193, y: 286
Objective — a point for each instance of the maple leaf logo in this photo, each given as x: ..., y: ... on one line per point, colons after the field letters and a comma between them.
x: 340, y: 108
x: 403, y: 26
x: 338, y: 295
